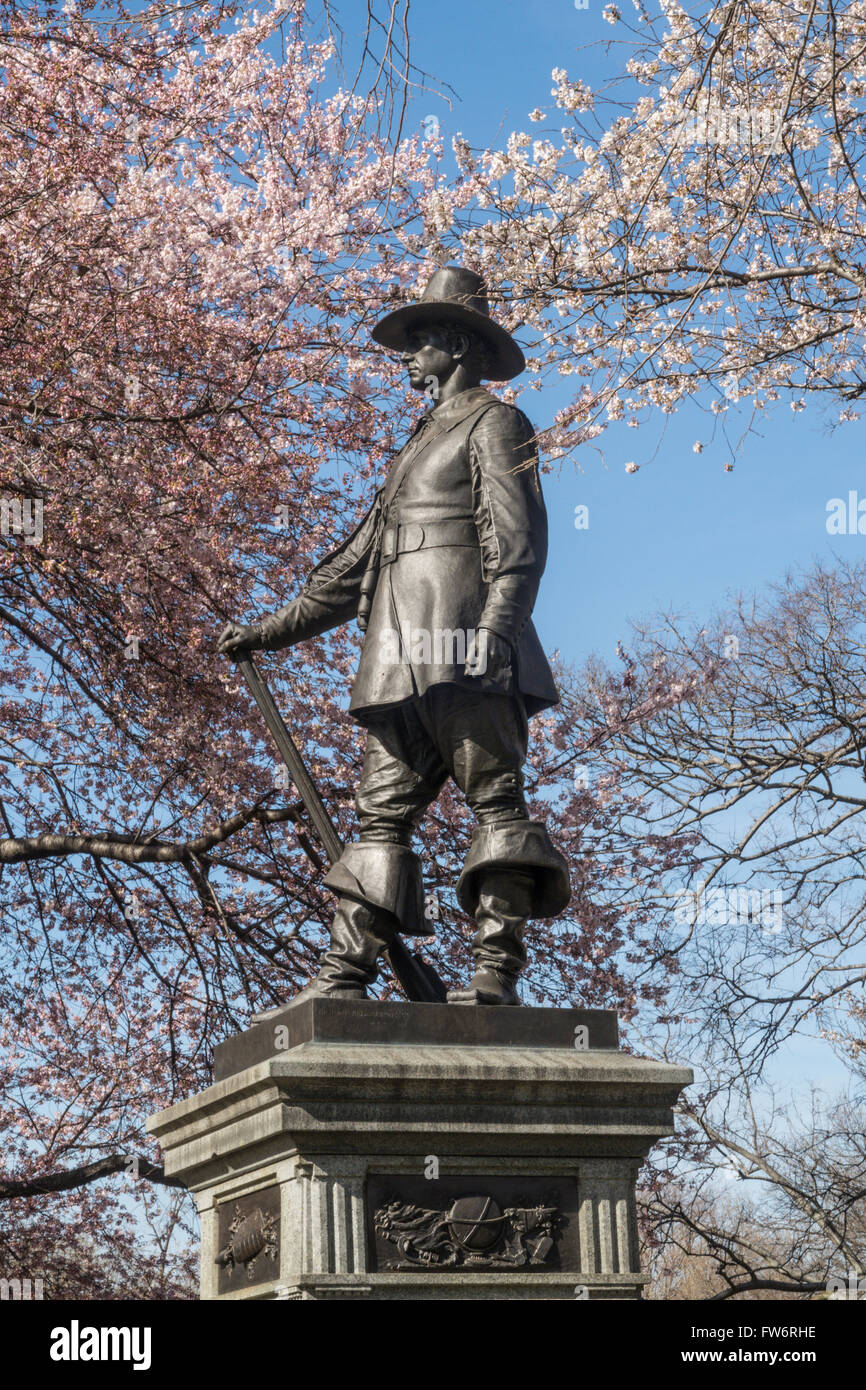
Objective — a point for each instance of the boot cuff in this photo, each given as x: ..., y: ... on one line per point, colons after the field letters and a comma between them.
x: 517, y: 844
x: 385, y: 877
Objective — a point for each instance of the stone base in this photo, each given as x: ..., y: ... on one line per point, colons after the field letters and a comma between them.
x: 464, y: 1153
x: 461, y: 1285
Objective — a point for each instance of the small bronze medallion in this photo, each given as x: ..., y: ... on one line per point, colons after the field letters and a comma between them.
x: 249, y: 1239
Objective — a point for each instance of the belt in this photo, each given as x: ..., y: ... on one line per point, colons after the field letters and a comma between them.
x: 400, y: 537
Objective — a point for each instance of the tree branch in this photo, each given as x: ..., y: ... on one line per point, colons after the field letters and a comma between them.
x: 135, y: 1164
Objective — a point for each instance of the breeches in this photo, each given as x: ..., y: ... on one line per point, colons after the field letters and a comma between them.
x: 476, y: 738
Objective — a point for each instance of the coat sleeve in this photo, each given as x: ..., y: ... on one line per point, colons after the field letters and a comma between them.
x: 510, y: 518
x: 332, y: 590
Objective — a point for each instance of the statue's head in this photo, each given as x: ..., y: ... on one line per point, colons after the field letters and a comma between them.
x: 437, y: 349
x: 450, y: 329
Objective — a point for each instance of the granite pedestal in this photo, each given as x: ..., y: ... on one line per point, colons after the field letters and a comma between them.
x: 425, y: 1151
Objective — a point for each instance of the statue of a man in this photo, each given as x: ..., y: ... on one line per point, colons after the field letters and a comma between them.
x: 442, y: 575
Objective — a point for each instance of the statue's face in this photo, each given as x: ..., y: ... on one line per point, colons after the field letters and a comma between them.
x: 427, y: 358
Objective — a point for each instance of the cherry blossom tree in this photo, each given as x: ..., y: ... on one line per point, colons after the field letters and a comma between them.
x: 199, y: 227
x: 194, y: 239
x: 693, y: 230
x: 202, y: 217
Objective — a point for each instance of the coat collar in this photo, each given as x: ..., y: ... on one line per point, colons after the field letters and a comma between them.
x: 452, y: 411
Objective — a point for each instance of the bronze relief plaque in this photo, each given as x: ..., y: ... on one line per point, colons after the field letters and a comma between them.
x: 473, y: 1223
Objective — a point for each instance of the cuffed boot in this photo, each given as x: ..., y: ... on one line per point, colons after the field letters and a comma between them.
x: 505, y: 901
x: 518, y: 845
x: 359, y: 935
x: 378, y: 891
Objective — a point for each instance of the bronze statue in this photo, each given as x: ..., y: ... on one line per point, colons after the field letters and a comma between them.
x: 442, y: 575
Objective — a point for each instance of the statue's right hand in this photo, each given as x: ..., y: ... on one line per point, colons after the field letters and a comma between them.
x: 237, y: 641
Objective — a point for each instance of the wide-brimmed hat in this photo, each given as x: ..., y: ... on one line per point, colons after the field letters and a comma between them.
x: 455, y: 295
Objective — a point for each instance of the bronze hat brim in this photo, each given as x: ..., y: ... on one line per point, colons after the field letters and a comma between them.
x: 393, y: 330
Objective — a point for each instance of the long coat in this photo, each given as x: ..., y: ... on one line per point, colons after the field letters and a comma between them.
x: 456, y: 540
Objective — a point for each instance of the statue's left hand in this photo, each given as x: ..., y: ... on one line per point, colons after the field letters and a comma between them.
x: 489, y: 656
